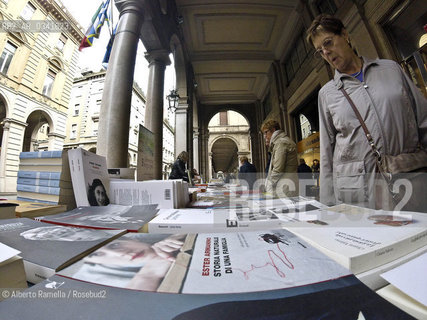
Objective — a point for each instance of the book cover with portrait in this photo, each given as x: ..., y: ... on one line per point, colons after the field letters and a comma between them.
x: 47, y: 248
x: 207, y: 263
x: 89, y: 176
x: 113, y: 216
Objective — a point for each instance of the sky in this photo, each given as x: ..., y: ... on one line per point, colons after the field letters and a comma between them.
x: 91, y: 57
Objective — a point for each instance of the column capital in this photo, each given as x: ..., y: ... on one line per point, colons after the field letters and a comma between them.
x: 129, y: 5
x: 7, y: 121
x: 161, y: 56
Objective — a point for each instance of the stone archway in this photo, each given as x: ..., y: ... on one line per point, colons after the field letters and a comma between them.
x: 35, y: 121
x: 224, y: 155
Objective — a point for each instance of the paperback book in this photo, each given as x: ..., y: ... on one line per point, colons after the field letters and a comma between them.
x: 165, y: 193
x: 130, y: 218
x: 31, y: 209
x: 89, y: 175
x: 230, y: 219
x: 12, y: 273
x: 361, y: 239
x: 47, y: 248
x: 207, y: 263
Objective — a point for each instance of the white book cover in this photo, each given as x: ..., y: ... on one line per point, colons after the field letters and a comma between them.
x: 372, y: 278
x: 89, y: 175
x: 220, y: 220
x: 207, y: 263
x: 182, y: 221
x: 411, y: 278
x: 361, y: 239
x: 7, y: 252
x: 164, y: 193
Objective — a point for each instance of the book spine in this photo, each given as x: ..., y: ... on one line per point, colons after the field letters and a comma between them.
x: 40, y: 154
x: 38, y: 189
x: 36, y: 273
x: 51, y: 154
x: 29, y: 155
x: 75, y: 158
x: 172, y: 228
x: 36, y: 200
x: 39, y: 182
x: 39, y: 175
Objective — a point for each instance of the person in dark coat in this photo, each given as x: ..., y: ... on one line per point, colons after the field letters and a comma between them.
x: 303, y: 167
x: 247, y: 171
x: 178, y: 168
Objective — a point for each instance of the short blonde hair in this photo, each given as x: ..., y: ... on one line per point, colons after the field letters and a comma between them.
x: 269, y: 125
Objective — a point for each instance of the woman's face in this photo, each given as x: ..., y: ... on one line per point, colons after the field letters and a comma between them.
x: 100, y: 196
x: 123, y: 252
x: 334, y: 49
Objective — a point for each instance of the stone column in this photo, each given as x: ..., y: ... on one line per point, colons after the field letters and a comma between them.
x: 210, y: 165
x: 3, y: 153
x: 56, y: 141
x: 154, y: 107
x: 114, y: 118
x: 204, y: 137
x: 181, y: 126
x: 9, y: 155
x: 196, y: 149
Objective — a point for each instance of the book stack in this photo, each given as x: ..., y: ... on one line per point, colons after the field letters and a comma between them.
x: 165, y: 193
x: 45, y: 177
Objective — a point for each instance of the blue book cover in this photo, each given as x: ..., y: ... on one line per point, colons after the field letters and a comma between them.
x: 38, y: 189
x: 40, y: 154
x: 39, y: 182
x: 39, y: 175
x: 36, y: 200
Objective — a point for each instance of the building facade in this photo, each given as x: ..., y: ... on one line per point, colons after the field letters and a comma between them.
x: 37, y: 66
x: 83, y: 118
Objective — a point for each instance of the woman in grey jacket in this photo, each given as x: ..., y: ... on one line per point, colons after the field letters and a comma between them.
x: 282, y: 178
x: 392, y: 107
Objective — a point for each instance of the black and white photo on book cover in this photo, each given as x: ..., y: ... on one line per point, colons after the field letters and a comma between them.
x: 131, y: 218
x: 47, y: 248
x: 207, y: 263
x: 90, y: 178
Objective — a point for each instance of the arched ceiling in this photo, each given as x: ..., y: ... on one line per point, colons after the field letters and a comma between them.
x: 232, y: 44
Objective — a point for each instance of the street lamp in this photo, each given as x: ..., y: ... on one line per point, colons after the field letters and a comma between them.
x: 173, y: 98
